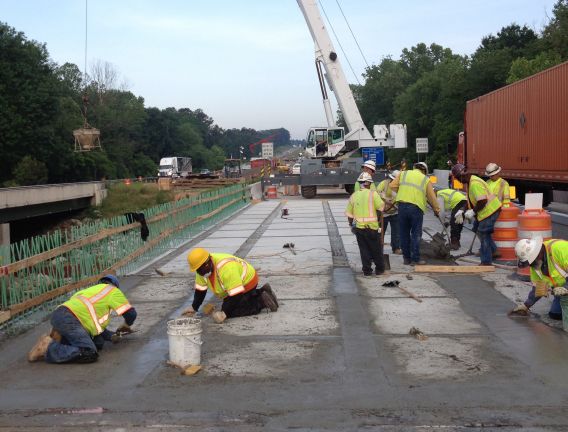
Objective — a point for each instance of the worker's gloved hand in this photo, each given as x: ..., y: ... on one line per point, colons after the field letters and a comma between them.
x: 560, y: 291
x: 437, y: 213
x: 470, y: 215
x: 116, y: 337
x: 520, y: 310
x: 219, y: 317
x: 123, y: 329
x: 459, y: 217
x: 188, y: 312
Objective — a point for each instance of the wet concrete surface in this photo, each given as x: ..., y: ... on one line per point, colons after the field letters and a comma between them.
x: 336, y: 356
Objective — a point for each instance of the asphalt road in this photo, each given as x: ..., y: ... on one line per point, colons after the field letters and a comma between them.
x: 336, y: 356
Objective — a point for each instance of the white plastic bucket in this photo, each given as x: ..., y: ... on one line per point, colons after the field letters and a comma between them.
x: 184, y: 336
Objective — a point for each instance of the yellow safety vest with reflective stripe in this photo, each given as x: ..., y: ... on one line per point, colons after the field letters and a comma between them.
x: 230, y: 276
x: 477, y: 191
x: 362, y: 207
x: 388, y: 196
x: 557, y: 259
x: 451, y: 198
x: 358, y: 186
x: 412, y: 188
x: 93, y: 306
x: 500, y: 188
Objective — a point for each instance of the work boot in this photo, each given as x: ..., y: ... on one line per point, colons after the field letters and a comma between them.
x: 267, y: 288
x: 496, y: 254
x: 86, y: 355
x: 397, y: 251
x: 40, y: 348
x: 421, y: 262
x: 268, y: 302
x: 455, y: 244
x: 407, y: 261
x: 520, y: 310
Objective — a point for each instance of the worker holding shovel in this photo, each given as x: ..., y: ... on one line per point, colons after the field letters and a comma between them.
x: 361, y: 213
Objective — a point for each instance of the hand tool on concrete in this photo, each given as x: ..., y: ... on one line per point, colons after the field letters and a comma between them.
x: 418, y: 334
x: 290, y: 246
x: 439, y: 245
x: 445, y: 230
x: 386, y: 257
x: 470, y: 250
x: 396, y: 283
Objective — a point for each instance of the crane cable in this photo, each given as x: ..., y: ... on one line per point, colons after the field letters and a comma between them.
x: 338, y: 42
x: 352, y: 34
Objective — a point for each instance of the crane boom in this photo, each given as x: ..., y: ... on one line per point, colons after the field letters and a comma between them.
x: 332, y: 141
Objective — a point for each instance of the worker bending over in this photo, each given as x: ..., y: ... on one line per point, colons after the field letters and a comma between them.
x: 548, y: 261
x: 361, y: 213
x: 413, y: 188
x: 455, y: 202
x: 80, y: 324
x: 233, y: 280
x: 390, y: 213
x: 368, y: 167
x: 485, y: 208
x: 497, y: 185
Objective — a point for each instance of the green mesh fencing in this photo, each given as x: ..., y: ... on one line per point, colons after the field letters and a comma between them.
x: 38, y: 274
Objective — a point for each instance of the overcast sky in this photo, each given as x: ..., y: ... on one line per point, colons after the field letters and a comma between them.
x: 250, y: 63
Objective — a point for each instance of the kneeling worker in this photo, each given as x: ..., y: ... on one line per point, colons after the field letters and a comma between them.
x: 232, y: 279
x: 79, y: 325
x: 548, y: 262
x: 456, y: 203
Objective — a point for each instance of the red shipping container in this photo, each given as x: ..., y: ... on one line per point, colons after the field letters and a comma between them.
x: 523, y: 127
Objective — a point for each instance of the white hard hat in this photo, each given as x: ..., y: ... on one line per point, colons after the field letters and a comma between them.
x: 370, y: 164
x: 393, y: 174
x: 422, y: 166
x: 491, y: 169
x: 365, y: 178
x: 528, y: 249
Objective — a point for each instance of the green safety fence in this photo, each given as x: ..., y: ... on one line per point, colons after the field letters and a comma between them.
x: 44, y: 270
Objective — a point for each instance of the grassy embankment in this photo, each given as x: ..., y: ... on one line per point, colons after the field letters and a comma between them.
x: 135, y: 197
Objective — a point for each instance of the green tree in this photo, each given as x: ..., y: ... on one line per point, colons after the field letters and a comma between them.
x: 555, y: 32
x: 523, y: 67
x: 29, y: 171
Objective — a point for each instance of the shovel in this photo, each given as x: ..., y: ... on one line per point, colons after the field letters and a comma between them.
x: 439, y: 245
x: 470, y: 250
x: 386, y: 257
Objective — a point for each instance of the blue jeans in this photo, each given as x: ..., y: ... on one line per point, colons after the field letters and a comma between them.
x: 410, y: 219
x: 395, y: 230
x: 75, y: 340
x: 484, y: 231
x: 555, y: 307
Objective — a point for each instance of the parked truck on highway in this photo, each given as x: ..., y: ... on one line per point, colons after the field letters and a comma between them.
x: 175, y: 166
x: 522, y: 127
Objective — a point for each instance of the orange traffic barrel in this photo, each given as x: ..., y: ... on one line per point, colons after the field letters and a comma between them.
x: 505, y: 235
x: 127, y: 182
x: 271, y: 192
x: 533, y: 223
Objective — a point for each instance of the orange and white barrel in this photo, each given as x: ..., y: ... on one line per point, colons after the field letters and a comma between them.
x: 506, y: 235
x: 291, y: 190
x: 533, y: 223
x: 271, y: 192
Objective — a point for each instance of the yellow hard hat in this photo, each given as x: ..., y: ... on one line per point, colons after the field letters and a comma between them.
x: 196, y: 258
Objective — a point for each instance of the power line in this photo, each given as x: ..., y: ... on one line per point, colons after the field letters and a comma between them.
x: 352, y: 34
x: 339, y: 43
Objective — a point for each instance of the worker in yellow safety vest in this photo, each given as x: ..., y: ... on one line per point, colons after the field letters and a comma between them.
x: 548, y: 261
x: 362, y: 216
x: 369, y: 167
x: 497, y: 185
x: 413, y: 190
x: 79, y: 326
x: 485, y: 207
x: 231, y: 279
x: 390, y: 214
x: 455, y: 203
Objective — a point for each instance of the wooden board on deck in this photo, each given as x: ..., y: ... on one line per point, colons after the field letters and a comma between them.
x: 453, y: 269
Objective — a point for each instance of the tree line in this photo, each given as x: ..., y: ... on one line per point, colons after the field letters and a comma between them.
x: 426, y: 88
x: 41, y: 103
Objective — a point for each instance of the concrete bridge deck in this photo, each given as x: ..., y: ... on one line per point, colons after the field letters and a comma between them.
x: 336, y: 356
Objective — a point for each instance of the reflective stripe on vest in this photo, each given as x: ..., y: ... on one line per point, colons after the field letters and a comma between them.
x: 371, y: 214
x: 90, y: 302
x: 559, y: 269
x: 416, y: 192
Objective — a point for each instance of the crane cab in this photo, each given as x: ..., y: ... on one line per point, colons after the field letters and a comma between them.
x: 325, y: 142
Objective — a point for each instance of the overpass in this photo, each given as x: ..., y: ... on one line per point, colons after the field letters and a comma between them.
x: 17, y: 203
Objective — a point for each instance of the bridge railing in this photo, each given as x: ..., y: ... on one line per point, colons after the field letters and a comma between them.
x: 44, y: 269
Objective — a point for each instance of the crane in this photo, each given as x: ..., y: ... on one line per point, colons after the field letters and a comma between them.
x: 332, y: 141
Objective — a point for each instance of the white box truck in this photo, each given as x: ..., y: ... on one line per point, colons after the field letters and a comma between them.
x: 174, y: 167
